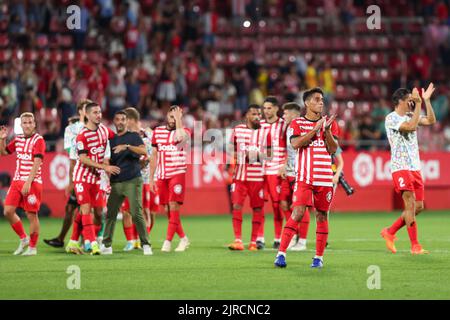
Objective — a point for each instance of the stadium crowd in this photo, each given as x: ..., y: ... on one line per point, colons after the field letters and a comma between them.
x: 152, y: 54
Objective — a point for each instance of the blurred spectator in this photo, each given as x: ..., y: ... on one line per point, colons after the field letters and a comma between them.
x: 420, y: 65
x: 210, y: 18
x: 106, y: 12
x: 327, y: 82
x: 311, y: 75
x: 79, y: 35
x: 116, y: 94
x: 133, y: 89
x: 131, y: 41
x: 368, y: 133
x: 440, y: 103
x: 379, y: 113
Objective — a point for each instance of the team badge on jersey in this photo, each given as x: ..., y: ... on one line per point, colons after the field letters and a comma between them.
x: 178, y: 189
x: 329, y: 195
x: 261, y: 194
x: 278, y: 188
x: 32, y: 199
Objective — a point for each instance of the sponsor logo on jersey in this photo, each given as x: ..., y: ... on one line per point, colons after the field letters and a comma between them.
x: 243, y: 147
x: 317, y: 143
x: 97, y: 150
x: 162, y: 147
x: 261, y: 194
x: 24, y: 156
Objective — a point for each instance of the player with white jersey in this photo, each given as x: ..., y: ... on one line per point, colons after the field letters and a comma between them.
x: 91, y: 144
x: 315, y: 138
x: 168, y: 160
x: 26, y: 189
x: 272, y: 167
x: 401, y: 128
x: 291, y: 111
x: 248, y: 145
x: 70, y: 135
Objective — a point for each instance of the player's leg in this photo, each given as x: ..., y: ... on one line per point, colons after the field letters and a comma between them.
x: 115, y: 200
x: 163, y: 189
x: 127, y: 223
x: 133, y: 190
x: 31, y: 205
x: 256, y: 194
x: 303, y: 228
x: 302, y: 198
x: 419, y: 196
x: 34, y: 233
x: 323, y: 196
x: 260, y: 240
x: 12, y: 201
x: 71, y: 206
x: 275, y: 190
x: 238, y: 194
x: 176, y: 199
x: 402, y: 184
x: 285, y: 206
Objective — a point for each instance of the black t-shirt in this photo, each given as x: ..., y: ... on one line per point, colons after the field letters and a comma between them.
x: 126, y: 160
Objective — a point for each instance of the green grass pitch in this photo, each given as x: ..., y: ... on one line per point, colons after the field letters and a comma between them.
x: 208, y: 270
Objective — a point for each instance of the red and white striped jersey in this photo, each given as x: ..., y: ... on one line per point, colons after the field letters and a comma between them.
x: 278, y: 143
x: 248, y: 144
x: 171, y: 155
x: 27, y: 148
x: 93, y: 144
x: 313, y: 164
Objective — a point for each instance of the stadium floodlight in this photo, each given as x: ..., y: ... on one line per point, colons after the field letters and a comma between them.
x: 247, y: 24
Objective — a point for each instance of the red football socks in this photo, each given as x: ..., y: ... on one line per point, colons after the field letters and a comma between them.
x: 257, y: 222
x: 321, y: 237
x: 304, y: 225
x: 128, y: 233
x: 33, y: 239
x: 76, y: 227
x: 88, y: 231
x: 277, y: 220
x: 237, y: 224
x: 19, y: 230
x: 290, y: 230
x: 412, y: 232
x: 174, y: 221
x: 135, y: 233
x: 397, y: 225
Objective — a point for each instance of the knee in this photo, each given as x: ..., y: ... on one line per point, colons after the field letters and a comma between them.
x: 297, y: 213
x: 237, y: 207
x: 9, y: 212
x: 284, y: 206
x: 321, y: 216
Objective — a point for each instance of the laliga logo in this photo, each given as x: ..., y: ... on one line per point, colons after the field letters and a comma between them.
x: 363, y: 169
x: 162, y: 147
x: 24, y: 156
x: 59, y: 171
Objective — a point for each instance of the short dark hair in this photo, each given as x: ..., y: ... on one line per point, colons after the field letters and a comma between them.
x: 173, y: 107
x: 132, y: 113
x: 91, y: 105
x: 272, y: 99
x: 82, y: 103
x: 308, y: 93
x: 121, y: 112
x: 400, y: 94
x: 253, y: 106
x: 292, y: 106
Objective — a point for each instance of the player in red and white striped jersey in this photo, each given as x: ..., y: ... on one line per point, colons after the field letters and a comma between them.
x: 26, y: 188
x: 169, y: 159
x: 315, y: 137
x: 272, y: 178
x: 249, y: 144
x: 91, y: 145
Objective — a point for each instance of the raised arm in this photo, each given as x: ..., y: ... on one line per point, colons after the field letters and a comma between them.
x: 430, y: 117
x: 302, y: 141
x: 3, y: 135
x: 330, y: 142
x: 411, y: 125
